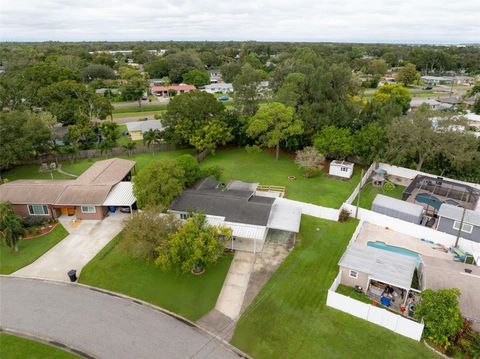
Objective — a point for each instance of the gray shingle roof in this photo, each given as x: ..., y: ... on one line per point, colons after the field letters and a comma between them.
x: 235, y: 205
x: 455, y: 213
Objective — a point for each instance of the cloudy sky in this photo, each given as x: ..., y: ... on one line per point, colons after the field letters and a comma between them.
x: 412, y: 21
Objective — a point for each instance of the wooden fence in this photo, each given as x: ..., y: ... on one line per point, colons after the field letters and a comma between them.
x: 116, y: 151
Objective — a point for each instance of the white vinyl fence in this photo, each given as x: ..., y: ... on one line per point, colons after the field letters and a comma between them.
x: 312, y: 209
x: 376, y: 315
x: 362, y: 182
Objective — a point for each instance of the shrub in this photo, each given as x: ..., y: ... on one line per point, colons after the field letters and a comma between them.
x: 310, y: 160
x: 211, y: 171
x: 191, y: 167
x: 343, y: 216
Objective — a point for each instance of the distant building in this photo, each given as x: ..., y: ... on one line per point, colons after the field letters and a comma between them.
x: 215, y: 76
x: 136, y: 129
x: 450, y: 218
x: 167, y: 91
x: 221, y: 87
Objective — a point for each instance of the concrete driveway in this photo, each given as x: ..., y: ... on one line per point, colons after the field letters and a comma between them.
x: 76, y: 250
x: 101, y: 325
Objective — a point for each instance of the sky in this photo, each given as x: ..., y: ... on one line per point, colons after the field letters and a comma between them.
x: 392, y: 21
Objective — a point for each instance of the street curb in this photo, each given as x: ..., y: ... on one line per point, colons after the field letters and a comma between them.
x: 184, y: 320
x: 49, y: 342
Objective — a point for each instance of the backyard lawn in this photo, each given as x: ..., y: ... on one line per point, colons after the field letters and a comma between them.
x: 29, y: 250
x: 79, y: 166
x: 369, y: 193
x: 289, y: 318
x: 185, y: 294
x: 350, y: 292
x: 145, y: 108
x: 13, y: 347
x: 262, y: 167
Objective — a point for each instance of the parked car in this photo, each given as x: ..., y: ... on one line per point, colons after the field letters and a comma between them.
x: 125, y: 209
x: 223, y: 98
x: 427, y: 88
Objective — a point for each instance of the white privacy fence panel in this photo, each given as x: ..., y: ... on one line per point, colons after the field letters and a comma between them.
x: 414, y: 230
x: 376, y: 315
x: 312, y: 209
x: 362, y: 182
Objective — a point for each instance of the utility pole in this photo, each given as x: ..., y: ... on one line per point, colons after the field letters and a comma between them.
x: 358, y: 195
x: 460, y: 227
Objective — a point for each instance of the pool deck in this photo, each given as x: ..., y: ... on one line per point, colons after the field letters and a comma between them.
x: 373, y: 233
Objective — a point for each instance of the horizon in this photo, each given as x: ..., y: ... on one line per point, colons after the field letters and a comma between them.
x: 344, y: 21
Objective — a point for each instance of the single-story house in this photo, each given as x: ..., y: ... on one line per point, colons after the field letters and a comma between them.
x: 437, y: 80
x: 165, y: 91
x: 397, y: 208
x: 361, y: 264
x: 89, y: 196
x: 238, y: 207
x: 433, y: 103
x: 136, y: 129
x: 342, y: 169
x: 220, y: 87
x: 450, y: 218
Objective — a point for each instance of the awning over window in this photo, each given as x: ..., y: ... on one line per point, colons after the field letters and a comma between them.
x: 121, y: 195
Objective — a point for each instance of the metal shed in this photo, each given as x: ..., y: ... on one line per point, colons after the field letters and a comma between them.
x: 396, y: 208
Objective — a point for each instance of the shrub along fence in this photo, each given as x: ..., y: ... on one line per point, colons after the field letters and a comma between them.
x: 116, y: 151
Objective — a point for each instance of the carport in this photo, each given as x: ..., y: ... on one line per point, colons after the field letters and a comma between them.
x: 121, y: 195
x: 285, y: 217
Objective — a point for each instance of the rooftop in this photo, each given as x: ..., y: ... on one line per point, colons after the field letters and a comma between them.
x: 144, y: 126
x: 455, y: 213
x: 385, y: 266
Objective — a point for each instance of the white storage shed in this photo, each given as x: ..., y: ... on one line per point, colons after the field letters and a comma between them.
x: 341, y: 169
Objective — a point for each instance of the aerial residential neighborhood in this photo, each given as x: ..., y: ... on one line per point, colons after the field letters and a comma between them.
x: 239, y: 180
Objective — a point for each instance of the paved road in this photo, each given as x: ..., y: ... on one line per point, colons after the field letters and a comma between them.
x: 76, y: 250
x: 99, y: 324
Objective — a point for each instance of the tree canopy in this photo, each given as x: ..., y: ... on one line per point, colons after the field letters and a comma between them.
x: 196, y: 118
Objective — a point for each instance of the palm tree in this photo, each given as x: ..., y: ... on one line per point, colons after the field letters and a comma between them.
x: 129, y: 147
x: 11, y: 228
x: 149, y: 138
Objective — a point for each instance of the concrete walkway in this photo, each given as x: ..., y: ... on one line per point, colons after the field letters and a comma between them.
x: 230, y: 300
x: 102, y: 325
x: 77, y: 249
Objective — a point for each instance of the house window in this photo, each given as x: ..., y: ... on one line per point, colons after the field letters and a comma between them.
x: 353, y: 274
x: 183, y: 216
x: 467, y: 228
x: 38, y: 209
x: 344, y: 169
x: 89, y: 209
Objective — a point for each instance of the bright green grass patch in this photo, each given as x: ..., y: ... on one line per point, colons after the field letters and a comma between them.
x: 369, y: 193
x: 13, y: 347
x: 262, y: 167
x: 79, y: 166
x: 145, y: 108
x: 289, y: 317
x: 29, y: 250
x: 185, y: 294
x: 350, y: 292
x: 137, y: 114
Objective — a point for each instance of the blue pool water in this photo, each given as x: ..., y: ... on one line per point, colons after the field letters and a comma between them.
x: 386, y: 247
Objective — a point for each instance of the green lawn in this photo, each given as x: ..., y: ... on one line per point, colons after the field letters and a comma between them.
x: 369, y: 193
x: 137, y: 113
x: 145, y: 108
x: 262, y: 167
x: 188, y: 295
x: 289, y: 317
x: 79, y: 166
x: 350, y: 292
x: 29, y: 250
x: 13, y: 347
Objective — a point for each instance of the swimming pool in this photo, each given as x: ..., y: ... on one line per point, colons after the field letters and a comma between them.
x: 386, y: 247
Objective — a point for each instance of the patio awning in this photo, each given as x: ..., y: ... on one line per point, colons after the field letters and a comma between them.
x: 247, y: 231
x: 121, y: 195
x: 285, y: 217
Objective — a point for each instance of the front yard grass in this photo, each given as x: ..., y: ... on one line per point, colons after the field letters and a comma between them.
x: 185, y: 294
x: 13, y: 347
x: 289, y: 317
x: 262, y: 167
x: 369, y: 193
x: 29, y: 249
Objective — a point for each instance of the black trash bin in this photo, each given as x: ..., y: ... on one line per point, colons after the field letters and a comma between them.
x: 72, y: 274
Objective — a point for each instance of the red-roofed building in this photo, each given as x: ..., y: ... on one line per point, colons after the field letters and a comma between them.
x: 165, y: 91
